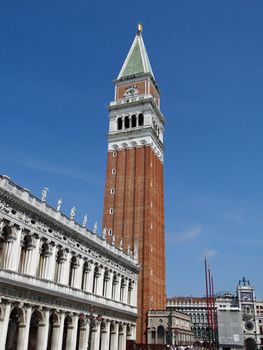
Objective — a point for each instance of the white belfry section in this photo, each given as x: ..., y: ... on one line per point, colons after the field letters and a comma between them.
x: 56, y: 280
x: 146, y: 124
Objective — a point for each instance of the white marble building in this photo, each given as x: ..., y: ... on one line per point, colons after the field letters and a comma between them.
x: 61, y: 285
x: 169, y: 327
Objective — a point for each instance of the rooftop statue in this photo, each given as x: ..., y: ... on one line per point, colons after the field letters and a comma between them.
x: 72, y: 213
x: 44, y: 194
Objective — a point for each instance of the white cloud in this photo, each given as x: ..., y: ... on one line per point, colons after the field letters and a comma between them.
x: 188, y: 235
x: 193, y: 232
x: 210, y: 253
x: 59, y: 170
x: 237, y: 216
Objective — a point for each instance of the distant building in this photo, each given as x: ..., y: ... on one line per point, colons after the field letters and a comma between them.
x: 245, y: 309
x: 252, y: 315
x: 229, y: 323
x: 169, y: 327
x: 239, y: 317
x: 196, y: 309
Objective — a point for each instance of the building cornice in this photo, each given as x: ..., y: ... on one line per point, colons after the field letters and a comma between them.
x: 24, y: 199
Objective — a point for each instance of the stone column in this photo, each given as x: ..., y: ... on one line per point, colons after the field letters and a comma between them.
x: 57, y: 336
x: 7, y: 252
x: 134, y: 295
x: 118, y: 289
x: 78, y: 278
x: 105, y: 336
x: 72, y: 333
x: 85, y: 276
x: 23, y: 332
x: 125, y: 292
x: 179, y: 339
x: 52, y: 263
x: 17, y: 249
x: 90, y: 278
x: 42, y: 334
x: 84, y: 335
x: 60, y: 266
x: 149, y: 336
x: 109, y: 285
x: 129, y: 332
x: 95, y: 336
x: 114, y: 338
x: 4, y: 321
x: 66, y: 268
x: 133, y: 332
x: 122, y: 338
x: 100, y: 280
x: 35, y: 257
x: 28, y: 258
x: 46, y: 259
x: 173, y: 337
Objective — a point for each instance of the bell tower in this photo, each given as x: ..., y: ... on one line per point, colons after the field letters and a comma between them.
x: 134, y: 197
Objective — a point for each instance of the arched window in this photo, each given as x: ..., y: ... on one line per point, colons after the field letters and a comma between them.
x: 140, y: 119
x: 67, y: 325
x: 160, y: 335
x: 13, y: 328
x: 33, y: 341
x: 153, y: 336
x: 126, y: 122
x: 133, y: 121
x: 119, y: 123
x: 121, y: 334
x: 53, y: 321
x: 112, y: 334
x: 103, y: 332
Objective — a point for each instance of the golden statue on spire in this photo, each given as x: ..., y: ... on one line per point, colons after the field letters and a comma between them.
x: 140, y: 26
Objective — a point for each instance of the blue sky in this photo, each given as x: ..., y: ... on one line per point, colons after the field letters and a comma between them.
x: 57, y: 63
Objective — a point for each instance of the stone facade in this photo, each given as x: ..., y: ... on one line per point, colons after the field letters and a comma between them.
x: 229, y: 322
x: 61, y: 285
x: 196, y: 309
x: 169, y: 327
x: 251, y: 315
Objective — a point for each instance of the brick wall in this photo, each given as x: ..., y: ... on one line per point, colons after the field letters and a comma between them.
x: 138, y: 204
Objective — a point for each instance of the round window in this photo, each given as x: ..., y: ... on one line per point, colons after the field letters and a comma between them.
x: 249, y: 325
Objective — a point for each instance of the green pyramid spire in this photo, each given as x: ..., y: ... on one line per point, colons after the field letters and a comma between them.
x: 137, y: 60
